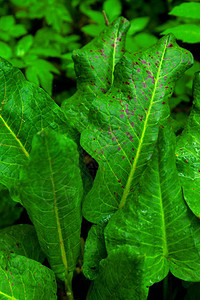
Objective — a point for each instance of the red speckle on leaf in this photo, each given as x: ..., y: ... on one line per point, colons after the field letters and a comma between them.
x: 144, y: 84
x: 103, y: 90
x: 163, y: 103
x: 123, y: 157
x: 92, y: 67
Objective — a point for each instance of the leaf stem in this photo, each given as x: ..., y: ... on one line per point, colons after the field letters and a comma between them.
x: 68, y: 286
x: 105, y: 17
x: 165, y: 288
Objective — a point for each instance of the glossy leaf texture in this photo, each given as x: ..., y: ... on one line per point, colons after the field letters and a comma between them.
x: 188, y: 153
x: 22, y: 240
x: 124, y: 122
x: 120, y: 277
x: 94, y: 67
x: 23, y: 278
x: 95, y: 250
x: 51, y: 192
x: 157, y: 222
x: 25, y: 110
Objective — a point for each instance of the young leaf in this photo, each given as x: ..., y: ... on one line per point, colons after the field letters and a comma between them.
x: 138, y: 24
x: 187, y: 10
x: 112, y: 9
x: 22, y: 240
x: 187, y: 153
x: 188, y: 33
x: 124, y: 123
x: 25, y: 110
x: 51, y: 192
x: 94, y: 66
x: 157, y: 222
x: 120, y: 277
x: 23, y: 278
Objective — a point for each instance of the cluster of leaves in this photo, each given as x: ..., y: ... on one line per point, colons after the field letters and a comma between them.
x: 34, y: 34
x: 39, y: 36
x: 142, y: 220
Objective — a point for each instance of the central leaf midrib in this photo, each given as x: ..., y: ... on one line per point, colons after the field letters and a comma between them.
x: 133, y: 167
x: 9, y: 297
x: 164, y: 232
x: 62, y: 248
x: 15, y: 137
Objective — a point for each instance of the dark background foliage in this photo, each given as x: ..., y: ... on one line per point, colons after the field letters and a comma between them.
x: 39, y: 36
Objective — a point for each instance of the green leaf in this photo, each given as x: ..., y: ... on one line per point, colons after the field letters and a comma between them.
x: 18, y: 30
x: 23, y: 278
x: 187, y: 153
x: 9, y: 211
x: 156, y: 221
x: 94, y: 15
x: 113, y: 9
x: 138, y: 24
x: 93, y: 29
x: 51, y: 192
x: 7, y: 22
x: 120, y: 277
x: 5, y: 50
x: 22, y: 240
x: 187, y: 10
x: 24, y: 45
x: 124, y: 122
x: 25, y: 110
x: 39, y: 72
x: 94, y: 250
x: 188, y: 33
x: 99, y: 58
x: 140, y: 41
x: 56, y: 15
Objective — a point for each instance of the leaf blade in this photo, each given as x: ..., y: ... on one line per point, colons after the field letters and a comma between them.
x: 25, y: 110
x: 22, y: 277
x: 51, y: 191
x: 123, y: 125
x: 157, y: 223
x: 99, y: 58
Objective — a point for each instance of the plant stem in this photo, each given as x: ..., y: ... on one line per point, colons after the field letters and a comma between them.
x: 105, y: 17
x: 165, y: 288
x: 68, y: 286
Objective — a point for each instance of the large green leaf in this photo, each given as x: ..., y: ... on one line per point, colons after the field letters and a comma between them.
x: 188, y: 153
x: 22, y: 278
x: 22, y: 240
x: 51, y: 191
x: 120, y: 277
x: 123, y: 127
x: 25, y: 110
x: 94, y: 66
x: 156, y: 221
